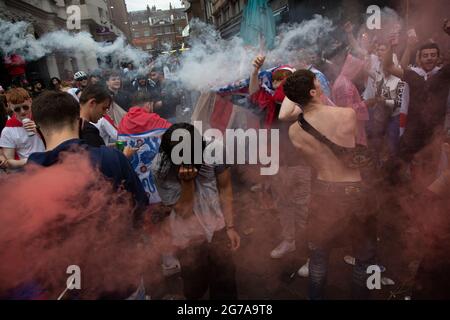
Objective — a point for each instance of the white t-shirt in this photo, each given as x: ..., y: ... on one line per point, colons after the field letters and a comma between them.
x: 390, y: 92
x: 73, y: 92
x: 107, y: 131
x: 375, y: 76
x: 17, y: 138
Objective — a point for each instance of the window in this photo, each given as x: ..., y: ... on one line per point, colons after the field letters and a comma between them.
x: 144, y: 21
x: 149, y: 46
x: 100, y: 12
x: 146, y: 33
x: 136, y: 34
x: 134, y: 23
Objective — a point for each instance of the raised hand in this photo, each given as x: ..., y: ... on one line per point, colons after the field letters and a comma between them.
x: 258, y: 62
x: 187, y: 172
x: 348, y: 27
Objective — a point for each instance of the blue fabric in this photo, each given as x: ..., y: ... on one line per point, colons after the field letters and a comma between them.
x: 257, y: 21
x: 112, y: 163
x: 324, y: 83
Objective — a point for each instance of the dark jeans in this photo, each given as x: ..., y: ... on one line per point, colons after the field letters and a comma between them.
x: 338, y: 209
x: 209, y: 266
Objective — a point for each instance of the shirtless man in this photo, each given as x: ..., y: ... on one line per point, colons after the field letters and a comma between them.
x: 338, y: 196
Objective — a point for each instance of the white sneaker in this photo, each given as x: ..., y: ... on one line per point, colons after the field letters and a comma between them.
x: 304, y: 270
x: 283, y: 248
x: 257, y: 187
x: 387, y: 281
x: 170, y: 265
x: 350, y: 260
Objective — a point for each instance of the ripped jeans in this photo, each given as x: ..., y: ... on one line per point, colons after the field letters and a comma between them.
x: 338, y: 209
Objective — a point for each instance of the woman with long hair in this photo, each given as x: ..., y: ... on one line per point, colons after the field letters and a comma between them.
x: 55, y: 84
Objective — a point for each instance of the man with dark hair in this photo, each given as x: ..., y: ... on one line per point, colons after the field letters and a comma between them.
x: 114, y: 84
x: 94, y: 102
x: 167, y: 94
x: 142, y: 128
x: 428, y: 89
x: 58, y: 115
x: 141, y: 83
x: 293, y: 173
x: 326, y: 139
x: 202, y: 223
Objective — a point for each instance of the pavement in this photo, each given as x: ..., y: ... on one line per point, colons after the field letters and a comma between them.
x: 259, y: 276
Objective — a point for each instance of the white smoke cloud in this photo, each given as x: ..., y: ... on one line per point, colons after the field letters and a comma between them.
x: 15, y: 38
x: 213, y: 62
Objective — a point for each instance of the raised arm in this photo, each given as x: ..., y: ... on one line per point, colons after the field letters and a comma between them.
x: 348, y: 27
x: 410, y: 45
x: 289, y: 110
x: 254, y: 81
x: 226, y: 202
x: 388, y: 64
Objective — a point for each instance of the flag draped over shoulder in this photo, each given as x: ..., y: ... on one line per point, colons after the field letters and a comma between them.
x: 142, y: 129
x: 225, y: 112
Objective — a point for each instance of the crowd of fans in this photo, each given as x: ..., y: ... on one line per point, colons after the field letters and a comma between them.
x: 358, y: 122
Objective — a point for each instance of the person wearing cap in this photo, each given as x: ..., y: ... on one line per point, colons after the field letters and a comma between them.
x: 141, y: 84
x: 16, y: 67
x: 293, y: 173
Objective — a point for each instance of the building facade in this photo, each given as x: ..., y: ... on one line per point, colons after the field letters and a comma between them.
x: 118, y: 14
x: 226, y: 15
x: 200, y: 9
x: 156, y: 31
x: 51, y: 15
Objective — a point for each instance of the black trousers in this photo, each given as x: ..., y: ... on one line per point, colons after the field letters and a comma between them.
x: 209, y: 266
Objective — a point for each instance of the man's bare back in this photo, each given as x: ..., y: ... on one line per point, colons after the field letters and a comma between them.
x: 339, y: 126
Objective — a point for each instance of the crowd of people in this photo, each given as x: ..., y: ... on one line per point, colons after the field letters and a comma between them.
x: 353, y: 127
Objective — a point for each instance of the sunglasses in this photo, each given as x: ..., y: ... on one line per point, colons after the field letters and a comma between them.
x: 81, y: 79
x: 23, y: 107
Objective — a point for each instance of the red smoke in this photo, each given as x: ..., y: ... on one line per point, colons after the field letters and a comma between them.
x: 69, y: 214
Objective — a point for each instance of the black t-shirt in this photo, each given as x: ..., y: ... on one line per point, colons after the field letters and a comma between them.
x: 171, y: 96
x: 90, y: 134
x: 122, y: 98
x: 427, y: 108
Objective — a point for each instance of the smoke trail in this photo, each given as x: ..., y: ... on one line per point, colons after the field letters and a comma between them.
x: 15, y: 38
x: 213, y: 61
